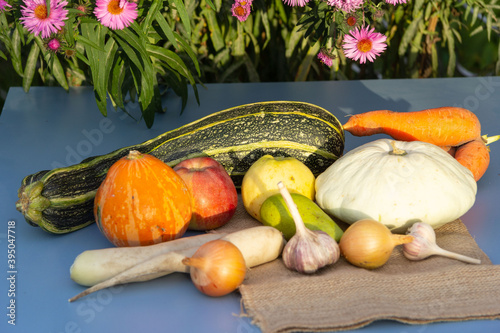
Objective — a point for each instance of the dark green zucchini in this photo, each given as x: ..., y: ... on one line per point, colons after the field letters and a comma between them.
x: 61, y: 200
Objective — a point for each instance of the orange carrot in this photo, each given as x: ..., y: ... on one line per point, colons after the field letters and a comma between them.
x: 444, y: 126
x: 475, y: 156
x: 449, y: 149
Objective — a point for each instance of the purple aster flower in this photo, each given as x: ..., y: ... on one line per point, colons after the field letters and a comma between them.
x: 116, y: 14
x: 346, y: 5
x: 295, y: 3
x: 395, y: 2
x: 241, y: 9
x: 54, y: 44
x: 36, y: 20
x: 325, y: 58
x: 364, y: 44
x: 3, y: 5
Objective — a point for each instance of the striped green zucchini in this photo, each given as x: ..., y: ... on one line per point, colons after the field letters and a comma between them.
x: 61, y: 200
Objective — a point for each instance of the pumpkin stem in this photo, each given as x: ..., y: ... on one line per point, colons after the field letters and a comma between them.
x: 396, y: 150
x: 134, y: 155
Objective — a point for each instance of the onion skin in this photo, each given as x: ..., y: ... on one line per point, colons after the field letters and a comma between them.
x: 217, y: 268
x: 369, y: 244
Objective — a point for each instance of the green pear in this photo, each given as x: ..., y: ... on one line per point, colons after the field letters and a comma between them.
x: 274, y: 213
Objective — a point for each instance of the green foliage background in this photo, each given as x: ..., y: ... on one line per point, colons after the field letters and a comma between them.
x: 179, y: 43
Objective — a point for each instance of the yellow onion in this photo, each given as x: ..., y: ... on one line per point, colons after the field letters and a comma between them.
x: 369, y: 244
x: 217, y: 268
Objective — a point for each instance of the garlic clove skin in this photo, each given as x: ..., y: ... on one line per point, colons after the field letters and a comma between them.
x: 424, y: 245
x: 424, y: 230
x: 420, y: 248
x: 310, y: 251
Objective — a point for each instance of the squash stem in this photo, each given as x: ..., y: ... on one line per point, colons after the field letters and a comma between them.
x: 396, y: 150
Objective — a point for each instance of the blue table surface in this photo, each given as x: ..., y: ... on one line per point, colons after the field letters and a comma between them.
x: 49, y: 127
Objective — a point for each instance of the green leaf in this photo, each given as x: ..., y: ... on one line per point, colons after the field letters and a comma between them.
x: 215, y: 32
x: 488, y: 25
x: 136, y: 42
x: 417, y: 7
x: 172, y: 59
x: 497, y: 67
x: 178, y: 85
x: 413, y: 54
x: 294, y: 40
x: 145, y: 80
x: 211, y: 4
x: 253, y: 74
x: 305, y: 65
x: 475, y: 14
x: 116, y: 81
x: 165, y: 27
x: 450, y: 70
x: 232, y: 69
x: 267, y: 28
x: 69, y: 32
x: 238, y: 47
x: 83, y: 58
x: 153, y: 10
x: 29, y: 69
x: 58, y: 72
x: 89, y: 42
x: 181, y: 9
x: 434, y: 60
x: 16, y: 52
x: 97, y: 59
x: 189, y: 51
x: 132, y: 52
x: 409, y: 34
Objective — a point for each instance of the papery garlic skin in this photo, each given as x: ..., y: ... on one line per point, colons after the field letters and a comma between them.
x: 423, y: 229
x: 311, y: 251
x: 418, y: 249
x: 424, y: 245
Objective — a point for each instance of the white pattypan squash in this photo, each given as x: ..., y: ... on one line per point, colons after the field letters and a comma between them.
x: 396, y: 183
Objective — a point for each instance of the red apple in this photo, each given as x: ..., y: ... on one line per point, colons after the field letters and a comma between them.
x: 213, y: 191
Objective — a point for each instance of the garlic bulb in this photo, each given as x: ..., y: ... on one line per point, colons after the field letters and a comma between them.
x: 307, y: 251
x: 424, y: 245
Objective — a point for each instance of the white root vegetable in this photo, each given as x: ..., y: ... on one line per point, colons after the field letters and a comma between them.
x: 258, y: 245
x: 95, y: 266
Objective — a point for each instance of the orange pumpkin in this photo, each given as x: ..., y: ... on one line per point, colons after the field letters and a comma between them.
x: 142, y: 201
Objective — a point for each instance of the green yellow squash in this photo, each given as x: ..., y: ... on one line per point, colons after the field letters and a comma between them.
x: 61, y: 200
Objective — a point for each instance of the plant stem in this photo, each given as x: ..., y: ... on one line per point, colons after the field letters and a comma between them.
x: 453, y: 255
x: 292, y: 207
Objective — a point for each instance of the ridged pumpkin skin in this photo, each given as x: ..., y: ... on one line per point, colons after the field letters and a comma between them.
x: 142, y: 201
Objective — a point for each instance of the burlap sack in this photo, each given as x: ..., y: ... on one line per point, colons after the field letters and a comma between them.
x: 342, y: 296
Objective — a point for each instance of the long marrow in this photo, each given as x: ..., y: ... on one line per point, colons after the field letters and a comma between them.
x: 61, y: 200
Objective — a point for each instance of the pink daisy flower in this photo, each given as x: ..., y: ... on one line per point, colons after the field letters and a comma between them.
x: 36, y: 20
x: 116, y: 14
x: 295, y: 3
x: 346, y: 5
x: 325, y: 58
x: 364, y: 44
x: 3, y: 5
x: 395, y: 2
x: 241, y: 9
